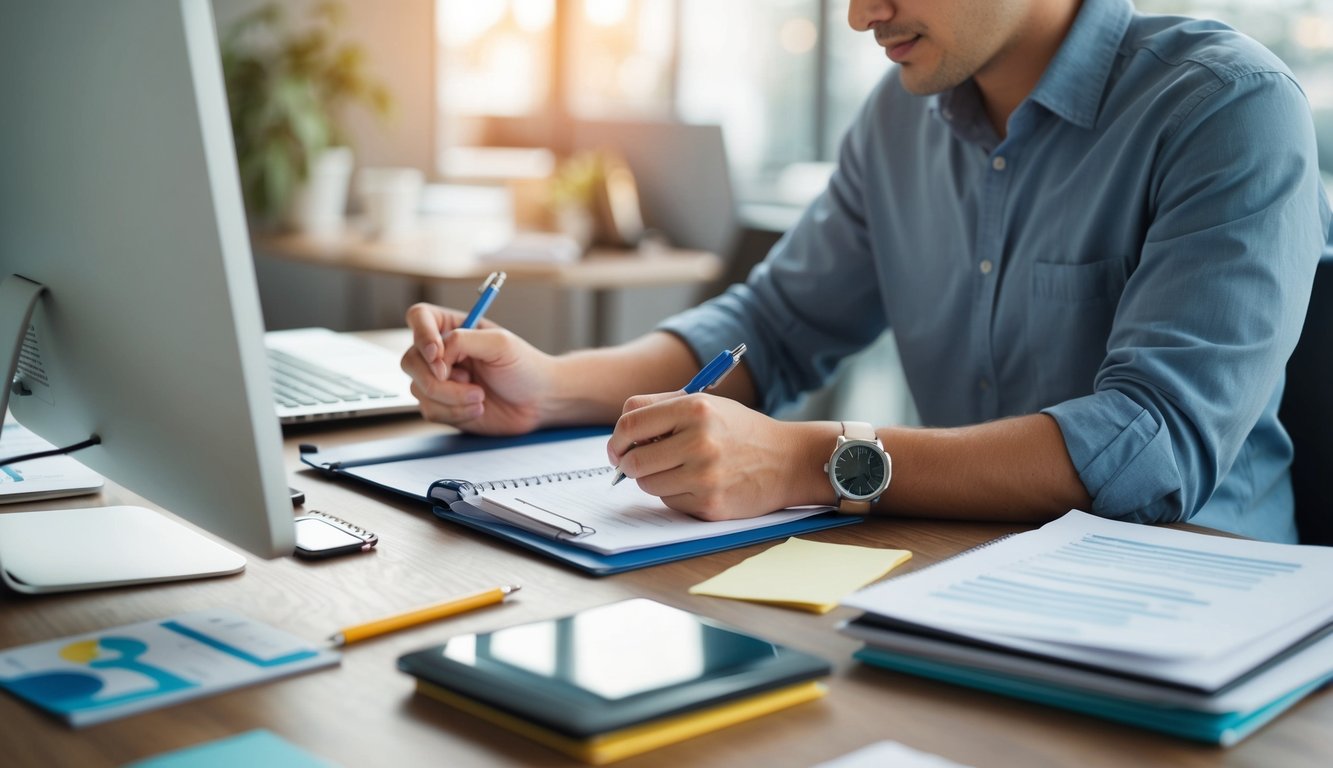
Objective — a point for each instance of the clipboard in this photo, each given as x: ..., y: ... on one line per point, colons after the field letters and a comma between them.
x: 344, y: 461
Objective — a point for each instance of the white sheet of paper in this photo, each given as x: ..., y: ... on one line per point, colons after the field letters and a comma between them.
x: 1123, y: 587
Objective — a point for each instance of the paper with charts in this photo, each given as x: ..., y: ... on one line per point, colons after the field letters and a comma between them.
x: 103, y: 675
x: 47, y: 478
x: 1134, y: 589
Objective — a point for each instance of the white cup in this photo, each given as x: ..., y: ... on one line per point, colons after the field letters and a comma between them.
x: 389, y: 198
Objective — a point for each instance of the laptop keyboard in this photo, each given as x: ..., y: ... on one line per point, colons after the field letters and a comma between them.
x: 300, y: 382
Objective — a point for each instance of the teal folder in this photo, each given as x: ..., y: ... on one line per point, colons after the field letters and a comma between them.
x: 1224, y: 729
x: 256, y: 748
x: 344, y: 461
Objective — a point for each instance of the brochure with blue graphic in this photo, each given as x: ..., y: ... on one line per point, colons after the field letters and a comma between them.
x: 49, y: 478
x: 100, y: 676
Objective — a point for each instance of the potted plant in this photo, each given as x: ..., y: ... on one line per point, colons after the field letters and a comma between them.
x: 285, y: 86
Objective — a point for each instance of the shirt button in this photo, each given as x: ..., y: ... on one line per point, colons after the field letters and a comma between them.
x: 998, y: 163
x: 986, y: 266
x: 983, y: 384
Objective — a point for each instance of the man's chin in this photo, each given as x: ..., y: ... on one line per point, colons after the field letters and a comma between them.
x: 922, y: 83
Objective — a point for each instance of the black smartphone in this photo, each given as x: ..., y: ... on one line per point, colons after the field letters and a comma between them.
x: 320, y: 535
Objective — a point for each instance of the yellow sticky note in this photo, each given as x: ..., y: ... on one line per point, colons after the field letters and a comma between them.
x: 806, y: 575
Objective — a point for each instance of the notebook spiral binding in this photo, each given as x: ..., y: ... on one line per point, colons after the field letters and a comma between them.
x: 552, y: 477
x: 451, y: 491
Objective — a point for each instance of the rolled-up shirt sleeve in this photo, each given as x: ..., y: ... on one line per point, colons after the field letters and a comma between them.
x: 1212, y: 310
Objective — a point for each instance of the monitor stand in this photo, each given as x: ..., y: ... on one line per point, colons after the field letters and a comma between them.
x: 70, y: 549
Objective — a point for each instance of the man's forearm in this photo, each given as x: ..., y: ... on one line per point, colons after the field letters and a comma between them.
x: 591, y: 385
x: 1013, y: 469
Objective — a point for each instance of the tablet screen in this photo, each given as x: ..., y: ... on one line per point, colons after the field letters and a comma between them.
x: 614, y: 651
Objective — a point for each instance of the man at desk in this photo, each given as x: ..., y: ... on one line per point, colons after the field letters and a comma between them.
x: 1094, y: 233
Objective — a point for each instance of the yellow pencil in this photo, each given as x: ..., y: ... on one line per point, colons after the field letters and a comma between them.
x: 421, y: 615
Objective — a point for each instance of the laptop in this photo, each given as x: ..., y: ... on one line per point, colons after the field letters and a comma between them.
x: 319, y: 375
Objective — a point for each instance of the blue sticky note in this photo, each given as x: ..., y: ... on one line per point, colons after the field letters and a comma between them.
x: 254, y: 749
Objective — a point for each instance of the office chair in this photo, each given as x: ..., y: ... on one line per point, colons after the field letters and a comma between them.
x: 1307, y: 413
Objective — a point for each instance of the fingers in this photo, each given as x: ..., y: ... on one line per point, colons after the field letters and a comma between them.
x: 642, y: 420
x: 490, y: 346
x: 449, y: 402
x: 427, y: 323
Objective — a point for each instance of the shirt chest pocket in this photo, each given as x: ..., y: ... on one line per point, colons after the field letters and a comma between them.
x: 1070, y: 312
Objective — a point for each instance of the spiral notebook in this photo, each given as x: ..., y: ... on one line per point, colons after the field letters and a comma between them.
x: 551, y: 492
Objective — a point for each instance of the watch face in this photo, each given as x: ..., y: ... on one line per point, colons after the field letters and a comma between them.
x: 860, y: 469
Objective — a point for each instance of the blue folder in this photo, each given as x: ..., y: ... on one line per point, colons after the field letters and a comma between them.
x: 1222, y: 728
x: 344, y: 460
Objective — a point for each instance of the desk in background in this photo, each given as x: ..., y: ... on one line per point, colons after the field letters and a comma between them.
x: 364, y: 713
x: 443, y: 251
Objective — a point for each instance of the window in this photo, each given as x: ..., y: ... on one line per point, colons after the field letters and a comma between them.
x: 783, y: 77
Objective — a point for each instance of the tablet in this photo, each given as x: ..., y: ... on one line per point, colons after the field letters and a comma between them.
x: 611, y: 667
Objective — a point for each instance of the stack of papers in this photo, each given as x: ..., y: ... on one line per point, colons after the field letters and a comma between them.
x: 1196, y: 635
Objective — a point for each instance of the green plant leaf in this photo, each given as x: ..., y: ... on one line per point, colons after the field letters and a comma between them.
x: 284, y: 87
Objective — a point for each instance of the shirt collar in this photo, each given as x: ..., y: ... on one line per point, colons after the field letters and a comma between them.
x: 1074, y: 81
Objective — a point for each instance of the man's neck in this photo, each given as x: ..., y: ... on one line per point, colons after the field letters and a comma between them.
x: 1009, y: 77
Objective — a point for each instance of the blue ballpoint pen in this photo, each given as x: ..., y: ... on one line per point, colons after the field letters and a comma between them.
x: 708, y: 377
x: 488, y: 291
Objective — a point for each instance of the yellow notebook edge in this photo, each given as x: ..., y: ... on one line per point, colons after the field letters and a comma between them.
x: 635, y: 740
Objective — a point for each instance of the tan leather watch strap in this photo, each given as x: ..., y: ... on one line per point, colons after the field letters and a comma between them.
x: 849, y: 507
x: 856, y: 430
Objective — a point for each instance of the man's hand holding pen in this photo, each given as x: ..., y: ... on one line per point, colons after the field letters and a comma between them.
x: 469, y: 372
x: 714, y: 457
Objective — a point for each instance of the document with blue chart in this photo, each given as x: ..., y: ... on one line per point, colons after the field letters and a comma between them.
x: 103, y: 675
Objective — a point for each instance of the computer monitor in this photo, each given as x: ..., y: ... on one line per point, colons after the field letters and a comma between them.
x: 119, y: 194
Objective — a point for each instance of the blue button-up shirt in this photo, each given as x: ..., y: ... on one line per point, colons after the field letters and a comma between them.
x: 1133, y: 258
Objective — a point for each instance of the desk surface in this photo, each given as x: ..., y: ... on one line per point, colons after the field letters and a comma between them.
x: 364, y: 713
x: 444, y: 250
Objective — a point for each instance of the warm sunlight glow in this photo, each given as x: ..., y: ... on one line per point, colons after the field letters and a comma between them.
x: 798, y: 35
x: 1313, y: 32
x: 461, y: 23
x: 534, y: 15
x: 605, y: 13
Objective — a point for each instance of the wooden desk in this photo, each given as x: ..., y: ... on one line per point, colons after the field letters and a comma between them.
x: 444, y: 251
x: 364, y: 713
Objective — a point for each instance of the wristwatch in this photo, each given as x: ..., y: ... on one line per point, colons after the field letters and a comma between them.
x: 859, y: 468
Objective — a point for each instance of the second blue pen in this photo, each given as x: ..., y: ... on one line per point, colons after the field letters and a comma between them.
x: 488, y: 290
